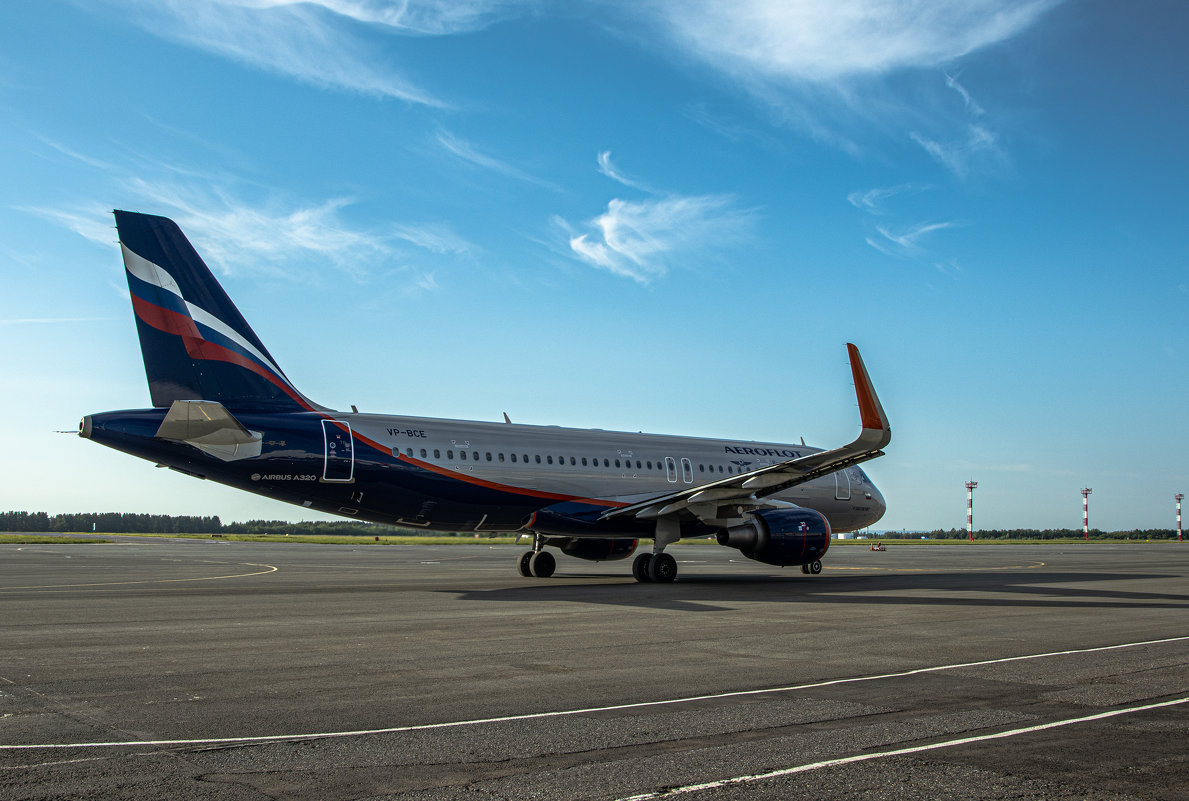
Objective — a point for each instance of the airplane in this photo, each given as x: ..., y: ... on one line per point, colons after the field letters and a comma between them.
x: 223, y: 410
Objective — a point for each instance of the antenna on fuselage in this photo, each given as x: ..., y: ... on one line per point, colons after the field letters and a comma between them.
x: 506, y: 418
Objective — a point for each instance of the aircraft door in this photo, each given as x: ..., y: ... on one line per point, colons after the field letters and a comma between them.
x: 339, y: 464
x: 842, y: 485
x: 671, y: 469
x: 687, y: 471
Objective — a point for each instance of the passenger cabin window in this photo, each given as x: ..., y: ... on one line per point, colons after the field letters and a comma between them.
x: 437, y: 454
x: 409, y: 451
x: 537, y: 456
x: 513, y: 457
x: 573, y: 461
x: 501, y: 457
x: 489, y: 456
x: 423, y: 454
x: 584, y: 461
x: 549, y: 459
x: 449, y: 454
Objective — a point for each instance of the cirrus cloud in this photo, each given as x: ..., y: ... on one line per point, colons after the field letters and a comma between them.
x: 642, y: 240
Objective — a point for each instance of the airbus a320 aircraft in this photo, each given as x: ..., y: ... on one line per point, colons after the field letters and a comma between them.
x: 223, y: 410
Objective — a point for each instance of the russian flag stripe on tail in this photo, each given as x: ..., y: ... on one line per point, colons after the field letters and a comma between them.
x: 196, y: 345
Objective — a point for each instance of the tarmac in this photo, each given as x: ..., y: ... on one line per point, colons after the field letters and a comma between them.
x: 220, y: 670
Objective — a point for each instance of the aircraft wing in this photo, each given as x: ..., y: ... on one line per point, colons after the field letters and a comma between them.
x: 748, y: 489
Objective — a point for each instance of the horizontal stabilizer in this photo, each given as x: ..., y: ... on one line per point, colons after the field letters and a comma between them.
x: 208, y: 426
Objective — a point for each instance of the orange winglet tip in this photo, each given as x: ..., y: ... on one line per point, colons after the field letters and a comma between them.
x: 870, y: 411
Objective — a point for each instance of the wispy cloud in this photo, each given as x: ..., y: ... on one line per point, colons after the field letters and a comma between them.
x: 826, y: 42
x: 55, y: 320
x: 310, y: 42
x: 87, y: 223
x: 907, y: 241
x: 643, y: 240
x: 827, y: 69
x: 235, y: 233
x: 957, y: 156
x: 462, y: 149
x: 606, y: 167
x: 276, y: 234
x: 75, y: 155
x: 872, y: 200
x: 971, y: 106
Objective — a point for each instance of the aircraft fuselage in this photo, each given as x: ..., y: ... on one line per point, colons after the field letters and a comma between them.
x: 456, y: 475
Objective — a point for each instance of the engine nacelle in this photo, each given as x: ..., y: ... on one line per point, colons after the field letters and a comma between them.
x: 780, y: 536
x: 594, y: 550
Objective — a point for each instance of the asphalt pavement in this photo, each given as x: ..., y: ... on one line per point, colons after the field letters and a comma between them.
x: 220, y: 670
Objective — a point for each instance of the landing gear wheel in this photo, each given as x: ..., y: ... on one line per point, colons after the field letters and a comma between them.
x: 523, y: 564
x: 640, y: 568
x: 663, y: 568
x: 805, y: 569
x: 542, y: 564
x: 815, y: 566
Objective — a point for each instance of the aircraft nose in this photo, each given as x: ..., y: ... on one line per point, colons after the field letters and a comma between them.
x: 878, y: 506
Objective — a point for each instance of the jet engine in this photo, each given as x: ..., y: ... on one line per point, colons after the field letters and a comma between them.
x: 594, y: 550
x: 780, y: 536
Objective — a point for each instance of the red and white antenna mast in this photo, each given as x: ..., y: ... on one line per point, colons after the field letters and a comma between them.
x: 1086, y: 512
x: 970, y: 485
x: 1179, y: 498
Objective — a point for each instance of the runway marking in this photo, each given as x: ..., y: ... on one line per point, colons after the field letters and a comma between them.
x: 1029, y: 566
x: 829, y: 763
x: 271, y: 569
x: 272, y: 738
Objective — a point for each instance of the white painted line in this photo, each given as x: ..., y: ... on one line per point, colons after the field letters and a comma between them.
x: 271, y: 569
x: 829, y: 763
x: 267, y: 738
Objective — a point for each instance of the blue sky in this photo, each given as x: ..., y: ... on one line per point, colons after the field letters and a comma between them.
x: 662, y: 216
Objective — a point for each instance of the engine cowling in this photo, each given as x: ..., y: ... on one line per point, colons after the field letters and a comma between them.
x: 594, y: 550
x: 780, y: 536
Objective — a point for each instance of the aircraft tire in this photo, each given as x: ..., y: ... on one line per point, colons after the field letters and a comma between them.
x: 523, y: 564
x: 815, y: 567
x: 663, y: 568
x: 542, y: 564
x: 640, y: 568
x: 805, y: 569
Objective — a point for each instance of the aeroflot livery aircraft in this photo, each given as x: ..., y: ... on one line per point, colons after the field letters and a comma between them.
x: 223, y: 410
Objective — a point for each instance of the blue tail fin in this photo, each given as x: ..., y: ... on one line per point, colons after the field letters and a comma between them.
x: 196, y: 345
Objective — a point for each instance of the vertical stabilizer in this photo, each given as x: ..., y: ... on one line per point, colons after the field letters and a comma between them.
x: 196, y: 345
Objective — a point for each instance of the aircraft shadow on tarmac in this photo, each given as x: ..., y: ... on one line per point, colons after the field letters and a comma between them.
x: 1021, y: 589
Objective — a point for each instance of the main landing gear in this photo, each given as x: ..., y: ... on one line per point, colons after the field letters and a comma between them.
x: 813, y: 567
x: 658, y: 566
x: 538, y: 562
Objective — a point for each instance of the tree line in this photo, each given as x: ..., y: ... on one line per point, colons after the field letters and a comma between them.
x: 134, y: 523
x: 1031, y: 534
